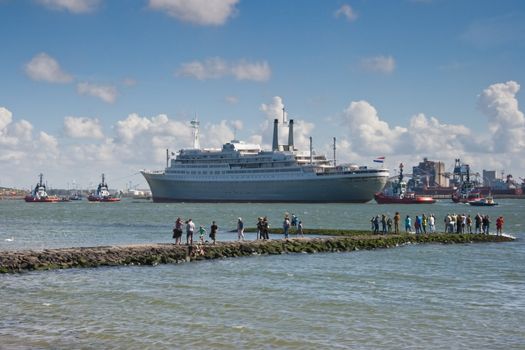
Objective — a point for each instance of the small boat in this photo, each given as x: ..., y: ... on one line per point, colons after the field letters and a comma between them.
x: 75, y: 197
x: 397, y: 193
x: 102, y: 194
x: 39, y: 194
x: 483, y: 202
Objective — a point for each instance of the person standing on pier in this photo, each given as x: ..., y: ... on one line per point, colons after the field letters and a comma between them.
x: 240, y: 230
x: 397, y: 219
x: 499, y: 225
x: 286, y: 226
x: 432, y: 223
x: 408, y: 224
x: 265, y: 229
x: 485, y: 222
x: 177, y: 231
x: 477, y: 220
x: 300, y: 229
x: 424, y: 221
x: 213, y: 231
x: 202, y: 233
x: 259, y: 228
x: 383, y: 224
x: 190, y: 228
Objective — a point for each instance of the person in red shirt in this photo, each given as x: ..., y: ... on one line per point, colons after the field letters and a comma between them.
x: 499, y: 225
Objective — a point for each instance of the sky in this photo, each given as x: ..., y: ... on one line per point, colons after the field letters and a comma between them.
x: 97, y: 86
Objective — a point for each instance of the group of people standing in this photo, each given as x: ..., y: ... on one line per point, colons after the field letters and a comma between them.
x: 189, y: 227
x: 421, y: 224
x: 263, y: 229
x: 293, y: 222
x: 461, y: 223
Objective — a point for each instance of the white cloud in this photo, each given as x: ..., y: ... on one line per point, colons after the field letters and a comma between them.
x: 506, y: 122
x: 501, y: 147
x: 372, y: 135
x: 381, y: 64
x: 216, y: 67
x: 201, y: 12
x: 274, y: 110
x: 136, y: 141
x: 106, y: 93
x: 232, y: 99
x: 78, y: 127
x: 347, y: 12
x: 73, y: 6
x: 43, y: 67
x: 6, y: 117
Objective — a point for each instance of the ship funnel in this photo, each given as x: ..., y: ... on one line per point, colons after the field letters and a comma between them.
x: 275, y: 144
x: 290, y: 135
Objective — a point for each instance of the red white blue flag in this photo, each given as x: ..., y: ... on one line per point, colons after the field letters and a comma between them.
x: 379, y: 160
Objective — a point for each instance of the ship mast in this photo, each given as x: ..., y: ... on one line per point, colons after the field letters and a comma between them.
x: 334, y: 154
x: 195, y: 125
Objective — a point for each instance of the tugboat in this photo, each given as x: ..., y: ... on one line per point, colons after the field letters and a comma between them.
x: 39, y: 194
x: 102, y: 194
x: 466, y: 191
x: 397, y: 193
x: 483, y: 202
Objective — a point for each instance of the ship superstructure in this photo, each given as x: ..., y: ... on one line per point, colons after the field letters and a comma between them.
x: 242, y: 172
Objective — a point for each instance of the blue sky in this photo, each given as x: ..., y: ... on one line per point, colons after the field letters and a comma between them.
x: 92, y: 86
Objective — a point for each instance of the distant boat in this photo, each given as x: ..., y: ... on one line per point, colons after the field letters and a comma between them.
x: 466, y: 192
x: 75, y: 197
x: 39, y: 194
x: 102, y: 194
x: 397, y: 193
x: 483, y: 202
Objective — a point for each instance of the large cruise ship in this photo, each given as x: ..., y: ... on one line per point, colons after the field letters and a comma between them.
x: 241, y: 172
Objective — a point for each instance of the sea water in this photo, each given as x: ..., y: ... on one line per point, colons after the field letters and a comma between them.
x: 468, y: 296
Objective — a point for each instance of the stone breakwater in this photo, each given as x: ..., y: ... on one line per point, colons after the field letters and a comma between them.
x: 153, y: 254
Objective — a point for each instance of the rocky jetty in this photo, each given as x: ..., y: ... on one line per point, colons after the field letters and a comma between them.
x: 153, y: 254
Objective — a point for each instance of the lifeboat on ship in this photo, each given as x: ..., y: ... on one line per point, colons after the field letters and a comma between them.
x: 397, y: 193
x: 102, y: 194
x: 39, y: 194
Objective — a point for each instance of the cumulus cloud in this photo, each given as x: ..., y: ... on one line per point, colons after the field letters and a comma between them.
x: 78, y: 127
x: 73, y: 6
x: 347, y: 12
x: 216, y: 67
x: 373, y: 135
x: 274, y: 110
x: 200, y: 12
x: 43, y: 67
x: 501, y: 148
x: 20, y: 149
x: 506, y: 122
x: 106, y: 93
x: 381, y: 64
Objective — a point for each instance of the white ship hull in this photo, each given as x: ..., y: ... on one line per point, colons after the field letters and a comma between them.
x: 349, y: 188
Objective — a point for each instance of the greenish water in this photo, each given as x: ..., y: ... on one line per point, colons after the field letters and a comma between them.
x: 417, y: 296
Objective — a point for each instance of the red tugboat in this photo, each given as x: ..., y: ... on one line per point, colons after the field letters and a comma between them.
x: 397, y: 193
x: 102, y: 194
x: 39, y: 194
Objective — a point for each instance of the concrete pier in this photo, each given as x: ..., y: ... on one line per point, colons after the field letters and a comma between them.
x: 165, y: 253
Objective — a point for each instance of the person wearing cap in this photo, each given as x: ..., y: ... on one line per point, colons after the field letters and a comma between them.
x: 240, y: 230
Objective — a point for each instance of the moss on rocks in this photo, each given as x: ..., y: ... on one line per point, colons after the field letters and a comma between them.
x: 153, y: 254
